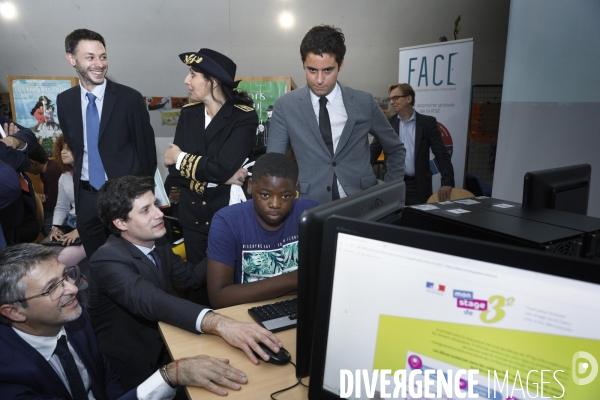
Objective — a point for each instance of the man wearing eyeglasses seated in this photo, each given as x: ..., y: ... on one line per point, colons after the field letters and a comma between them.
x: 419, y: 133
x: 49, y: 349
x: 130, y: 287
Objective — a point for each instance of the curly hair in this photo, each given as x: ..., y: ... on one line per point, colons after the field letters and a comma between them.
x: 324, y: 39
x: 57, y: 149
x: 276, y: 165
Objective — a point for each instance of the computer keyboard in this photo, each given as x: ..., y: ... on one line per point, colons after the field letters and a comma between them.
x: 276, y: 316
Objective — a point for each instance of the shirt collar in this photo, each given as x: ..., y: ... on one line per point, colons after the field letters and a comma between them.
x: 412, y: 118
x: 98, y: 91
x: 330, y: 97
x: 45, y: 345
x: 144, y: 250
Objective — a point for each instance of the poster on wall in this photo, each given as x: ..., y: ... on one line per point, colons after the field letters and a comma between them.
x: 264, y: 91
x: 440, y: 74
x: 33, y: 104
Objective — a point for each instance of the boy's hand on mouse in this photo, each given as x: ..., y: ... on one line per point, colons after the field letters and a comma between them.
x: 243, y: 335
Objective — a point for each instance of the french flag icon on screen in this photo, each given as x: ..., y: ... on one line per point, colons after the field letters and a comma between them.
x: 437, y: 287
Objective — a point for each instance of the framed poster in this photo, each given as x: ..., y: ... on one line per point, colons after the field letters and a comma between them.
x: 33, y: 104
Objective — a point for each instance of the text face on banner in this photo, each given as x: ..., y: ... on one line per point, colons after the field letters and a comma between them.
x: 440, y: 74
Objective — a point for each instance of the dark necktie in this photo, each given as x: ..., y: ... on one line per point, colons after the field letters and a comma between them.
x: 325, y: 128
x: 68, y: 363
x: 156, y: 258
x: 92, y: 128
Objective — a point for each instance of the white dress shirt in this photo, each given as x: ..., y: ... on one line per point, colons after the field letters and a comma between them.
x: 407, y: 136
x: 337, y: 118
x: 99, y: 93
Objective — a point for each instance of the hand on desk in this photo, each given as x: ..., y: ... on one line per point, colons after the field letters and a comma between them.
x: 207, y: 372
x: 243, y: 335
x: 444, y: 193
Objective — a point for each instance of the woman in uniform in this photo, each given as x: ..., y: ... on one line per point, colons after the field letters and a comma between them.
x: 214, y: 137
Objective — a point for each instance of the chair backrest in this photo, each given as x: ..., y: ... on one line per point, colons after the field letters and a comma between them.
x: 455, y: 194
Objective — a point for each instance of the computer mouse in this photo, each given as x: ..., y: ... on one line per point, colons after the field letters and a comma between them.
x: 281, y: 358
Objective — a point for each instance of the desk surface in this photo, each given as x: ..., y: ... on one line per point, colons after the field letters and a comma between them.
x: 263, y: 379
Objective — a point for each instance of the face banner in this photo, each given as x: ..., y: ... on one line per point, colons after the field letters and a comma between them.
x: 440, y: 74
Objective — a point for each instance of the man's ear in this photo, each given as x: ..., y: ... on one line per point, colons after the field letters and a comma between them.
x: 249, y: 188
x: 71, y: 59
x: 340, y: 66
x: 120, y: 224
x: 11, y: 312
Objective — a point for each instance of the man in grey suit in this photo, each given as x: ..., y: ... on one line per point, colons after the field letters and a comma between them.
x: 130, y: 287
x: 327, y: 125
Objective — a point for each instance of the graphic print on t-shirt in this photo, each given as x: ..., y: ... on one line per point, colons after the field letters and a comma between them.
x: 262, y: 264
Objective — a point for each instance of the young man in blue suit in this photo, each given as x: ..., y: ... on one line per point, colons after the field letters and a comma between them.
x: 327, y: 125
x: 107, y: 127
x: 49, y: 349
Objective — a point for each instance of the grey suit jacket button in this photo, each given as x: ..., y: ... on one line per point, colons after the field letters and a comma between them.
x: 334, y: 163
x: 329, y: 188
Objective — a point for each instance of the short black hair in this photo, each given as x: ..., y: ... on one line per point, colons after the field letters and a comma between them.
x: 324, y: 39
x: 116, y: 198
x: 38, y: 154
x: 277, y: 165
x: 73, y: 39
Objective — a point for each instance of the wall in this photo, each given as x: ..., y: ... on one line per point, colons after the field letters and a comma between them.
x: 144, y: 38
x: 551, y: 101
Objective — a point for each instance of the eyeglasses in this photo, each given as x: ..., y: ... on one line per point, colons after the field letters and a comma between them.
x: 395, y: 98
x: 71, y: 275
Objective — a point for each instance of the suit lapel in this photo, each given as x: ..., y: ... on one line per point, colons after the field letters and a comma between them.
x: 418, y: 133
x: 351, y: 113
x: 110, y: 98
x: 218, y: 122
x: 309, y: 116
x: 74, y: 107
x: 195, y: 141
x: 146, y: 263
x: 42, y: 373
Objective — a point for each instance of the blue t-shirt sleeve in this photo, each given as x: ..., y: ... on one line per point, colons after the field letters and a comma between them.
x: 222, y: 240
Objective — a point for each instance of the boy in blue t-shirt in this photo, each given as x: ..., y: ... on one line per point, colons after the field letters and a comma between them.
x: 257, y: 239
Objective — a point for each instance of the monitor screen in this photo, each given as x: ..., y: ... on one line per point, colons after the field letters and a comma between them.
x: 414, y: 314
x: 379, y: 203
x: 564, y: 189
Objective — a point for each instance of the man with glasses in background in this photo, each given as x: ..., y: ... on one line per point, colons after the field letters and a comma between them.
x: 49, y: 348
x: 419, y: 133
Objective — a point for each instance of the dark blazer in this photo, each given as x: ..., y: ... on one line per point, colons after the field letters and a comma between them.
x: 129, y: 296
x: 294, y: 122
x: 12, y: 209
x: 126, y: 138
x: 224, y: 145
x: 24, y: 372
x: 427, y: 136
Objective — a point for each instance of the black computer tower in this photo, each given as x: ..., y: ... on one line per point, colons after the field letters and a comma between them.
x: 468, y: 221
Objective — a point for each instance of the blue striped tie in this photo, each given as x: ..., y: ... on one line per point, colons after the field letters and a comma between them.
x: 92, y: 126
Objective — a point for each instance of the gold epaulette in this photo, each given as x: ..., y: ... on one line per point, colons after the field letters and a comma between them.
x: 192, y: 104
x: 189, y: 165
x: 244, y: 108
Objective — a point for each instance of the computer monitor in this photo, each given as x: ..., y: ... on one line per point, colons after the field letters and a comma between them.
x: 379, y: 203
x: 428, y: 307
x: 564, y: 189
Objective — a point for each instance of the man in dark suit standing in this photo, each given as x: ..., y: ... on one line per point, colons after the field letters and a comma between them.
x: 49, y: 349
x: 106, y: 126
x: 130, y: 287
x: 327, y: 125
x: 419, y: 133
x: 16, y: 143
